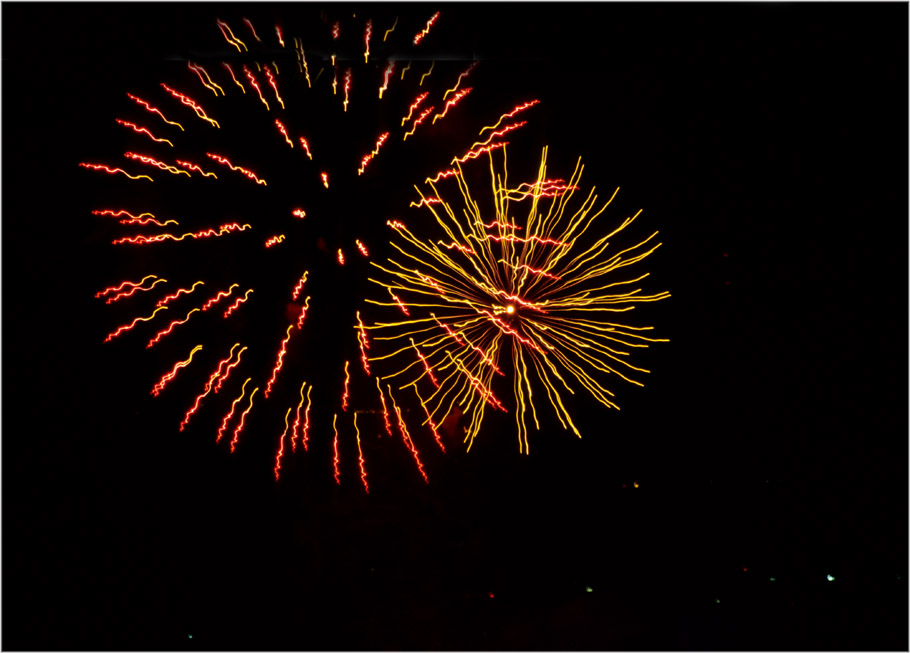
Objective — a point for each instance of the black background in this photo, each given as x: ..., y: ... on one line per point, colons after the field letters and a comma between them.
x: 766, y: 142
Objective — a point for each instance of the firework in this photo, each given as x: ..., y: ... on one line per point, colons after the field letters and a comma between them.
x: 539, y: 295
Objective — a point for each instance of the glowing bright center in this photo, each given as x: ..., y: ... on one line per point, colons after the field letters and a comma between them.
x: 510, y: 309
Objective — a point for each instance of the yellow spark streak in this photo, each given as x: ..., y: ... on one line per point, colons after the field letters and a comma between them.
x: 229, y: 36
x: 426, y: 74
x: 205, y: 79
x: 390, y: 30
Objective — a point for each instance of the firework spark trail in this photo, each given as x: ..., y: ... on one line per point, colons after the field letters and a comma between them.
x: 306, y: 147
x: 458, y: 81
x: 306, y: 306
x: 193, y: 166
x: 417, y: 102
x: 227, y: 372
x: 299, y: 287
x: 426, y: 365
x: 208, y: 387
x: 207, y: 233
x: 296, y: 426
x: 221, y: 294
x: 247, y: 173
x: 299, y: 213
x: 109, y: 170
x: 234, y: 77
x: 281, y: 445
x: 417, y: 122
x: 180, y: 291
x: 501, y: 132
x: 240, y: 300
x: 278, y: 34
x: 278, y: 363
x: 335, y: 447
x: 426, y: 74
x: 252, y: 29
x: 143, y: 130
x: 284, y: 132
x: 385, y: 410
x: 429, y: 421
x: 406, y: 437
x: 230, y: 38
x: 192, y: 104
x: 363, y: 469
x: 127, y: 327
x: 366, y: 42
x: 134, y: 288
x: 242, y: 419
x: 368, y: 157
x: 274, y: 240
x: 362, y: 248
x: 426, y: 30
x: 167, y: 378
x: 347, y: 379
x: 511, y: 114
x: 204, y: 78
x: 154, y: 162
x: 539, y: 298
x: 169, y: 329
x: 151, y: 109
x: 125, y: 284
x: 364, y: 345
x: 385, y: 81
x: 230, y: 413
x: 451, y: 103
x: 274, y: 85
x: 255, y: 85
x: 347, y: 87
x: 445, y: 174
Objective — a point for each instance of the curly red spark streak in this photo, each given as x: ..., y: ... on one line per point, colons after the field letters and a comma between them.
x: 504, y: 130
x: 154, y: 162
x: 109, y: 170
x: 404, y: 309
x: 240, y: 300
x: 129, y: 293
x: 255, y: 84
x: 367, y: 158
x: 306, y: 147
x: 219, y: 296
x: 426, y: 30
x: 230, y: 413
x: 362, y: 248
x: 296, y: 293
x: 426, y: 201
x: 420, y: 98
x: 366, y: 42
x: 517, y: 239
x: 426, y: 365
x: 191, y: 104
x: 363, y: 469
x: 461, y: 248
x: 244, y: 171
x: 242, y: 419
x: 296, y: 425
x: 527, y: 267
x: 451, y: 103
x: 335, y: 446
x: 143, y: 130
x: 281, y: 444
x: 445, y: 174
x: 152, y: 109
x: 208, y: 388
x: 364, y: 344
x: 336, y: 30
x: 273, y: 84
x: 430, y: 422
x: 274, y: 240
x: 278, y: 363
x: 340, y: 257
x: 511, y: 114
x: 127, y: 327
x: 227, y: 371
x: 395, y: 224
x: 125, y: 284
x: 409, y: 443
x: 385, y: 411
x: 306, y: 306
x: 325, y: 179
x: 473, y: 154
x: 278, y: 34
x: 169, y: 329
x: 417, y: 122
x: 208, y: 233
x: 284, y: 132
x: 193, y: 166
x: 170, y: 375
x: 180, y: 291
x: 347, y: 87
x: 299, y: 213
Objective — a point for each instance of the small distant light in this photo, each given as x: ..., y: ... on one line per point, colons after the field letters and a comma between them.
x: 589, y: 589
x: 190, y: 636
x: 745, y: 569
x: 830, y: 577
x: 717, y: 600
x: 491, y: 595
x: 773, y: 579
x: 634, y: 484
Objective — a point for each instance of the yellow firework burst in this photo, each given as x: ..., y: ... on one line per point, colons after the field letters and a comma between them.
x: 535, y: 299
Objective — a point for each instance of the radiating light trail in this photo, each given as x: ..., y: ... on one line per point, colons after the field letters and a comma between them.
x: 230, y: 38
x: 206, y: 233
x: 134, y: 288
x: 347, y: 379
x: 369, y: 157
x: 242, y: 419
x: 279, y: 362
x: 363, y: 469
x: 336, y: 459
x: 168, y: 329
x: 127, y: 327
x: 230, y: 413
x: 151, y: 109
x: 192, y: 104
x: 109, y: 170
x: 143, y: 130
x: 205, y: 79
x: 281, y: 445
x: 426, y: 30
x: 154, y: 162
x: 240, y: 300
x: 274, y: 85
x: 167, y: 378
x: 255, y: 85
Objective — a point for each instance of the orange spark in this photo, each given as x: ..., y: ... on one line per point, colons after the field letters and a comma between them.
x: 278, y: 363
x: 127, y: 327
x: 230, y: 413
x: 299, y: 213
x: 109, y: 170
x: 385, y: 81
x: 255, y: 84
x: 362, y: 248
x: 252, y: 29
x: 274, y: 240
x: 419, y: 37
x: 207, y: 233
x: 234, y: 77
x: 416, y: 103
x: 191, y: 104
x: 284, y: 132
x: 242, y: 419
x: 281, y: 444
x: 299, y: 286
x: 347, y: 378
x: 227, y: 371
x: 367, y: 158
x: 154, y: 162
x: 152, y: 109
x: 143, y: 130
x: 170, y: 375
x: 224, y: 161
x: 237, y: 303
x: 204, y: 78
x: 417, y: 122
x: 366, y: 42
x: 306, y: 147
x: 133, y: 290
x: 229, y: 36
x: 451, y: 103
x: 180, y: 291
x: 193, y: 166
x: 168, y: 329
x: 273, y: 84
x: 335, y: 446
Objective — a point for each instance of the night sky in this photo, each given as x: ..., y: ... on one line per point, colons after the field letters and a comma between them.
x: 753, y: 495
